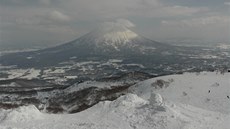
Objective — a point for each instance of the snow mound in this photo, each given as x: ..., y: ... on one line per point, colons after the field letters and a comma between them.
x: 155, y: 99
x: 207, y: 90
x: 131, y: 111
x: 24, y: 114
x: 129, y: 100
x: 127, y: 112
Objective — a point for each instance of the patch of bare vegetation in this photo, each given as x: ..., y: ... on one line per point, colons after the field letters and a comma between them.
x: 159, y: 84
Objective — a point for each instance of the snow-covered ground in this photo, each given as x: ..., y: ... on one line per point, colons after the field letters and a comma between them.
x: 207, y: 90
x: 22, y: 73
x: 223, y: 46
x: 187, y: 101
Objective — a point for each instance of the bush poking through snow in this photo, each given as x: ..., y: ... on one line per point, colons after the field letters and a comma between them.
x: 161, y: 83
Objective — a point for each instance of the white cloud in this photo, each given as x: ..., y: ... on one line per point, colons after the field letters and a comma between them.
x: 45, y: 2
x: 27, y: 2
x: 45, y: 18
x: 119, y: 24
x: 58, y: 16
x: 208, y: 28
x: 181, y: 10
x: 125, y: 22
x: 80, y: 16
x: 126, y: 8
x: 227, y: 3
x: 198, y: 22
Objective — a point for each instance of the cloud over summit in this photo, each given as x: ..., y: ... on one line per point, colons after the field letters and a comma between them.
x: 124, y: 23
x: 30, y: 21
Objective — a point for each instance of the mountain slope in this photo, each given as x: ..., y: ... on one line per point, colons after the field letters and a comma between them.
x: 174, y: 101
x: 127, y: 112
x: 107, y: 42
x: 207, y: 90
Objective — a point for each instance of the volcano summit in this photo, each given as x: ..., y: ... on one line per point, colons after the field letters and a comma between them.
x: 115, y: 40
x: 110, y: 40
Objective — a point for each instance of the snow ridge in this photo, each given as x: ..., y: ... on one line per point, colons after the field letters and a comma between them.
x: 127, y: 112
x: 186, y: 101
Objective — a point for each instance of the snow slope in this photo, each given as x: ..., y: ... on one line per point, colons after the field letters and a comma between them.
x: 207, y: 90
x: 112, y: 35
x: 127, y: 112
x: 177, y: 103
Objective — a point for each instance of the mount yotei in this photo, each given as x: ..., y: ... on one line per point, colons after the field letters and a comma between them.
x: 108, y: 41
x: 108, y: 72
x: 108, y: 51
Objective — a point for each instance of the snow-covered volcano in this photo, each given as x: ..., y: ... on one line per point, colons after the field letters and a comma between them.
x: 107, y: 41
x: 115, y: 38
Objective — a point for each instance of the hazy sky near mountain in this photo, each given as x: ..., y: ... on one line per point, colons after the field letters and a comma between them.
x: 25, y: 23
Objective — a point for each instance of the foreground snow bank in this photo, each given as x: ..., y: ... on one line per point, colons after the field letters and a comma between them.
x: 127, y: 112
x: 23, y: 114
x: 207, y: 90
x: 169, y: 102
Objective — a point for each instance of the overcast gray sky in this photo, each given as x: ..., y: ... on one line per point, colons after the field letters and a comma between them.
x: 27, y: 23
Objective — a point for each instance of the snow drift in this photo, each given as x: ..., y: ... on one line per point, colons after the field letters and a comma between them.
x: 152, y: 104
